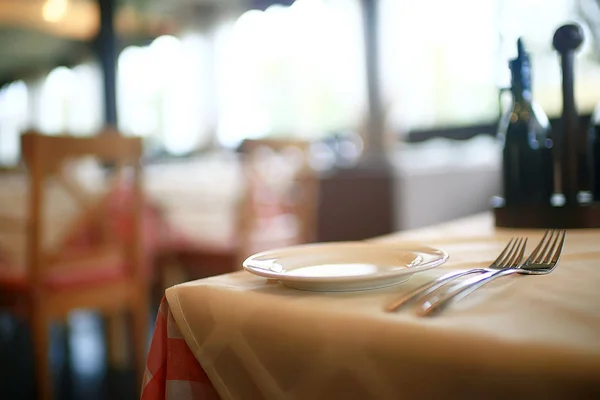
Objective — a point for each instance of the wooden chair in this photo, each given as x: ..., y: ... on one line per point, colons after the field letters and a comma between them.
x: 285, y: 201
x: 107, y: 273
x: 279, y: 206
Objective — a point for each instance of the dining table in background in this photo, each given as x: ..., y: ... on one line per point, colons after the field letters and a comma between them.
x: 181, y: 209
x: 239, y: 336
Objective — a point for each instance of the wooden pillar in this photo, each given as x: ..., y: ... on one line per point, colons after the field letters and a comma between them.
x: 106, y: 49
x: 375, y: 124
x: 106, y: 45
x: 367, y: 189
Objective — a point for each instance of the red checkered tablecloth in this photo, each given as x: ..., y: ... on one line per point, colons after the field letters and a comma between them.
x: 172, y: 371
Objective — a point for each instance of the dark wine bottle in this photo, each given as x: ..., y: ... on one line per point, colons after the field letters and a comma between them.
x: 525, y: 135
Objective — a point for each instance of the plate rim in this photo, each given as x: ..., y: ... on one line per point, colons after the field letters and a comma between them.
x: 414, y: 248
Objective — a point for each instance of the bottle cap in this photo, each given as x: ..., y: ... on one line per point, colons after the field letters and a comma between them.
x: 520, y: 66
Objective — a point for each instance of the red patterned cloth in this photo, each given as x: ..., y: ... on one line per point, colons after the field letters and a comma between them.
x: 172, y: 371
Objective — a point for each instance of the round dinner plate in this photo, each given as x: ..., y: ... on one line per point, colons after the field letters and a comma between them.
x: 343, y: 266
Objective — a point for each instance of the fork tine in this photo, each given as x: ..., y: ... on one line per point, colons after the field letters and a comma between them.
x: 501, y: 256
x: 505, y: 260
x: 519, y: 254
x: 558, y: 251
x: 535, y: 252
x: 540, y: 258
x: 513, y: 254
x: 550, y: 253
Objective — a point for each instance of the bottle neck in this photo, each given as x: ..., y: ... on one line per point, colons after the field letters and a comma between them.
x: 521, y: 89
x: 595, y: 120
x: 521, y: 80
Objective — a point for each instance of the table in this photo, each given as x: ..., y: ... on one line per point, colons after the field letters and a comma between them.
x: 171, y: 369
x: 519, y: 337
x: 187, y: 204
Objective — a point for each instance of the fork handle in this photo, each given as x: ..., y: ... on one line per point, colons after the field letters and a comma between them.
x: 430, y: 287
x: 437, y: 304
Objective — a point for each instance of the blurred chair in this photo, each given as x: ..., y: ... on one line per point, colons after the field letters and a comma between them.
x: 277, y: 208
x: 104, y: 272
x: 279, y: 205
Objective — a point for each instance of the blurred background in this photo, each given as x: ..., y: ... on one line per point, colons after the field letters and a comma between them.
x: 200, y: 76
x: 398, y: 102
x: 194, y: 75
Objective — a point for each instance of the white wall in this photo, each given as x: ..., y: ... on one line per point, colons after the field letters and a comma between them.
x: 442, y: 180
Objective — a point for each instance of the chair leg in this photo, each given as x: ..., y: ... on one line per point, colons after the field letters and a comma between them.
x: 140, y: 333
x: 41, y: 351
x: 116, y: 341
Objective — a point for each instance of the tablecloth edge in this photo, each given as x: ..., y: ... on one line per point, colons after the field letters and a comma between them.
x: 172, y: 299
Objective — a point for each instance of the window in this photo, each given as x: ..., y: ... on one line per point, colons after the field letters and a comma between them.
x: 69, y: 101
x: 13, y: 119
x: 298, y: 71
x: 163, y: 92
x: 443, y: 62
x: 293, y: 71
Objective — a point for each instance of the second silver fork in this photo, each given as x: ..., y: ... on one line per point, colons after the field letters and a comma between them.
x: 542, y: 261
x: 510, y: 257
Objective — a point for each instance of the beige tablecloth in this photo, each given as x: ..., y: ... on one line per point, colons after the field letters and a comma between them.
x: 519, y: 337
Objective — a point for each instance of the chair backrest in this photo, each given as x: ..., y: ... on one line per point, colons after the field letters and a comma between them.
x: 56, y: 167
x: 279, y: 204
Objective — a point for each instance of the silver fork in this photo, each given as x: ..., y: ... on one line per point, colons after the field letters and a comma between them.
x: 510, y: 257
x: 542, y: 261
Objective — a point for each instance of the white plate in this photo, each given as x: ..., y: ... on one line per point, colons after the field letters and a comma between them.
x: 343, y: 266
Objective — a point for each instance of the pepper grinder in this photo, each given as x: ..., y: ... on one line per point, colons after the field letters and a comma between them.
x: 568, y: 145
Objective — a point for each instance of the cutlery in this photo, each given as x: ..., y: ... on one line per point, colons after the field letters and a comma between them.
x: 510, y: 257
x: 543, y: 260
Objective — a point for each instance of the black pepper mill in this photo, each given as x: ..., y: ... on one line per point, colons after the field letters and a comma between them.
x: 570, y: 147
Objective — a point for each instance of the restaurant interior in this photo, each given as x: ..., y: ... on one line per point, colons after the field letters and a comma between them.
x: 201, y: 132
